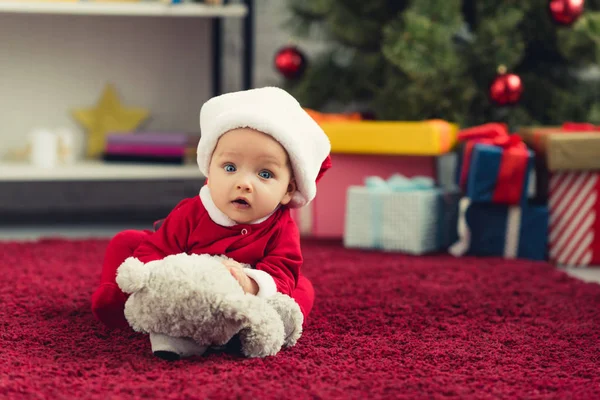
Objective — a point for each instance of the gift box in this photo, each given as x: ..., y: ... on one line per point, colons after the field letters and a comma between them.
x: 497, y: 230
x: 574, y: 232
x: 325, y: 216
x: 570, y: 147
x: 426, y: 138
x: 406, y: 215
x: 495, y: 167
x: 491, y: 180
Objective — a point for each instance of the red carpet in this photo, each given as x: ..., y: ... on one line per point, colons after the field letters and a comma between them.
x: 384, y: 326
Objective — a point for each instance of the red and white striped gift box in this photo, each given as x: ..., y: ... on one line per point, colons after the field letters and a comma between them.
x: 574, y: 218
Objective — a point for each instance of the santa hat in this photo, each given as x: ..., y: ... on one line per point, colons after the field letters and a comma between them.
x: 274, y: 112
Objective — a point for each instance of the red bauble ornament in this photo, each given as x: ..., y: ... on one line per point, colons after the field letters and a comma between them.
x: 506, y: 89
x: 290, y: 62
x: 565, y: 12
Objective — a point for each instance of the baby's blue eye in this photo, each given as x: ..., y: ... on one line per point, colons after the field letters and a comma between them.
x: 265, y: 174
x: 229, y: 168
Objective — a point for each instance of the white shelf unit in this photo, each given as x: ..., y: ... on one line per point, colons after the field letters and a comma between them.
x: 100, y: 171
x: 97, y: 171
x: 139, y: 9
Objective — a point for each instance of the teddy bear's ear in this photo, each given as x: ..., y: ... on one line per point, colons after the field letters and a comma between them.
x: 132, y: 275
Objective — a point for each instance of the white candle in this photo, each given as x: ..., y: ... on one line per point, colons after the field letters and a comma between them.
x: 44, y: 148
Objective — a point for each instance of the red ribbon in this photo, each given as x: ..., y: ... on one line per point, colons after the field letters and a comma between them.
x: 580, y: 127
x: 513, y: 166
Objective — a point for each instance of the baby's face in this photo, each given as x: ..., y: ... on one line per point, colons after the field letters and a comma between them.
x: 249, y: 175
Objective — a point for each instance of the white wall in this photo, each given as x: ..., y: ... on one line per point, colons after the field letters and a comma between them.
x: 50, y: 65
x: 271, y: 34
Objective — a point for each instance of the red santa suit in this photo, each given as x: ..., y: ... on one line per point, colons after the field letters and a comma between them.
x: 271, y: 245
x: 196, y: 226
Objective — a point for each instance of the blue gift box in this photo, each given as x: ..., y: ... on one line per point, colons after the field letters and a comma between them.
x: 488, y: 229
x: 483, y: 173
x: 447, y: 211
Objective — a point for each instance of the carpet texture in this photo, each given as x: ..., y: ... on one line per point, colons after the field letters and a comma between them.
x: 383, y: 326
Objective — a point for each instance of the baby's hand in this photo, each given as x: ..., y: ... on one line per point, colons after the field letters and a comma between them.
x: 237, y: 271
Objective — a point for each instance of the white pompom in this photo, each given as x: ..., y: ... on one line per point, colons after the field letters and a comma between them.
x: 132, y: 275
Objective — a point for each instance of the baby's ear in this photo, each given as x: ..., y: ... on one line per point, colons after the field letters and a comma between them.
x: 292, y: 186
x: 132, y: 275
x: 291, y: 189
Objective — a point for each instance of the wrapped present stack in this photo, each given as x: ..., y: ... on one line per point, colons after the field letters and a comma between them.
x: 496, y: 217
x: 568, y: 181
x: 383, y: 191
x: 151, y: 147
x: 362, y: 149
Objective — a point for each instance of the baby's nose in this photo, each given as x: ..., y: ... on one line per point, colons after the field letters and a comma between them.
x: 244, y: 185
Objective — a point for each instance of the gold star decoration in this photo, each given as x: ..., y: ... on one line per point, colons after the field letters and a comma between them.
x: 108, y: 116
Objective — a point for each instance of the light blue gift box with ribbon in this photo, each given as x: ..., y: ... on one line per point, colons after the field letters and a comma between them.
x: 409, y: 215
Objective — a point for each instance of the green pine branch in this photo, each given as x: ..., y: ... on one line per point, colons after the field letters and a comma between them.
x: 412, y: 60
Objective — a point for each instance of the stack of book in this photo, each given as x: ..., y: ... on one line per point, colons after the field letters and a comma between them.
x: 151, y: 147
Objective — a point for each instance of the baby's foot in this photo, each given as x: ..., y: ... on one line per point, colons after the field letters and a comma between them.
x: 108, y: 305
x: 174, y: 348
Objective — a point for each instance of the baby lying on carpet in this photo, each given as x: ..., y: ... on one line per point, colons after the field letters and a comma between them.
x: 262, y: 154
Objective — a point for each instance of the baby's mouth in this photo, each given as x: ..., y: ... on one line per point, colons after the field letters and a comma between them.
x: 241, y: 203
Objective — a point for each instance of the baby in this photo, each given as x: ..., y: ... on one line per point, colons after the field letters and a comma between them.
x: 262, y: 154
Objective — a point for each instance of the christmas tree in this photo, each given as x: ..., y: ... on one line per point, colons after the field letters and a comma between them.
x: 421, y: 59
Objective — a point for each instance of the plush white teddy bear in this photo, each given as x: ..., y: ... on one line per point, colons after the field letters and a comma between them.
x: 187, y: 303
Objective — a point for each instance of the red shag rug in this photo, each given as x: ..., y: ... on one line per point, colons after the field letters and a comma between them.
x: 383, y: 326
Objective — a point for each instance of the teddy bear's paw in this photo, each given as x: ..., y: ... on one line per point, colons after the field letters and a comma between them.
x: 259, y: 343
x: 174, y: 348
x: 291, y: 316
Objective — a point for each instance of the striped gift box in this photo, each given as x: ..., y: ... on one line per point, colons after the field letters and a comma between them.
x: 574, y: 231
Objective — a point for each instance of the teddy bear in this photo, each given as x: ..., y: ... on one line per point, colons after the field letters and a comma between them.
x: 189, y: 302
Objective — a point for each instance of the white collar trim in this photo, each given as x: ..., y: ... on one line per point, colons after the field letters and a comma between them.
x: 218, y: 216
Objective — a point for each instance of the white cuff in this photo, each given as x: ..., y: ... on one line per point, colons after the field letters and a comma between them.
x: 265, y: 282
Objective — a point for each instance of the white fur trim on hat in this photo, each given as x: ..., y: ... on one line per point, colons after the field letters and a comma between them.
x: 275, y: 112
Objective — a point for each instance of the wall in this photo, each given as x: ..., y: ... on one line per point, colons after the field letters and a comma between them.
x: 52, y: 64
x: 271, y: 34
